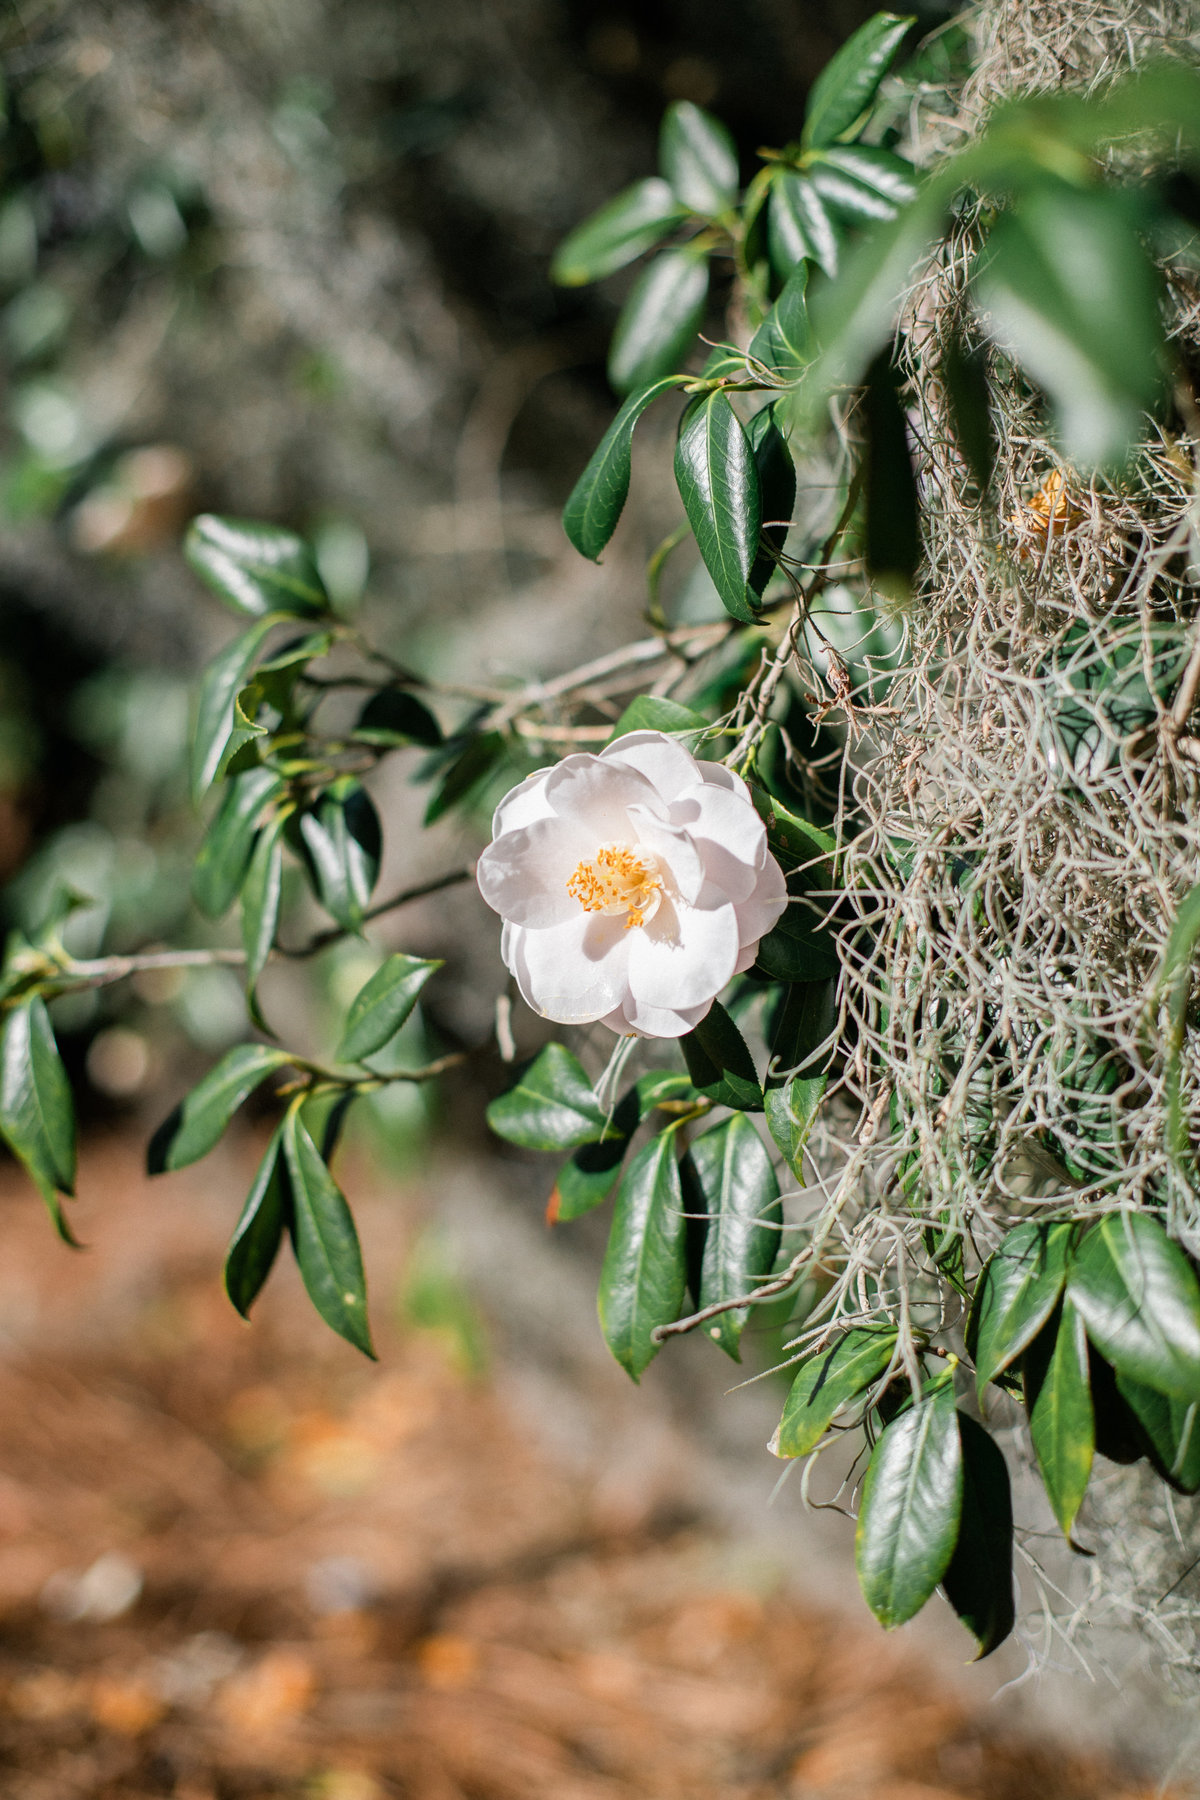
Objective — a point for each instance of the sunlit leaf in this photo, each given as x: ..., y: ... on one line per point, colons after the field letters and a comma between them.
x: 220, y: 684
x: 598, y: 497
x: 255, y: 568
x: 634, y: 221
x: 660, y: 319
x: 192, y: 1128
x: 382, y: 1005
x: 259, y: 1231
x: 830, y: 1380
x: 552, y: 1107
x: 847, y: 85
x: 224, y: 857
x: 730, y: 1180
x: 344, y: 843
x: 699, y: 159
x: 720, y: 1065
x: 911, y: 1505
x: 324, y: 1238
x: 644, y: 1275
x: 1015, y: 1294
x: 1140, y: 1301
x: 1058, y: 1398
x: 718, y: 484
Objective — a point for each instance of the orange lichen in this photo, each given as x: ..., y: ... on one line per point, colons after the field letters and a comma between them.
x: 618, y: 880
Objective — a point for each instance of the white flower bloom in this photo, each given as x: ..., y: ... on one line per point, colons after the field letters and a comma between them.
x: 633, y: 885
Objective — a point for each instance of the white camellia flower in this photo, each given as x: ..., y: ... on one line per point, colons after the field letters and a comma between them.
x: 633, y: 885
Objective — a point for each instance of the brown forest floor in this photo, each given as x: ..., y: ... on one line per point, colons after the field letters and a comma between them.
x: 366, y: 1583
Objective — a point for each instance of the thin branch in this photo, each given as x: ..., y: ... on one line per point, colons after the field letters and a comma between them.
x: 323, y: 938
x: 768, y: 1291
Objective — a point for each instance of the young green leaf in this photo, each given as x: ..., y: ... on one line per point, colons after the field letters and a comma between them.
x: 394, y: 716
x: 828, y: 1381
x: 777, y: 486
x: 1140, y: 1301
x: 1058, y: 1399
x: 892, y: 550
x: 782, y: 342
x: 380, y: 1008
x: 730, y: 1181
x: 634, y: 221
x: 37, y: 1115
x: 344, y: 843
x: 259, y: 1231
x: 791, y: 1111
x: 598, y: 497
x: 911, y: 1506
x: 1172, y: 1432
x: 720, y: 1065
x: 552, y: 1107
x: 324, y: 1238
x: 192, y: 1128
x: 718, y: 484
x: 651, y: 712
x: 466, y: 772
x: 644, y: 1275
x: 799, y: 228
x: 660, y: 319
x: 261, y: 892
x: 699, y: 159
x: 256, y: 569
x: 847, y: 85
x: 220, y: 685
x: 979, y: 1580
x: 1017, y: 1291
x: 224, y: 856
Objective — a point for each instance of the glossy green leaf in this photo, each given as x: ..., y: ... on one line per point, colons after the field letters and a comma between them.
x: 1017, y: 1290
x: 1172, y: 1432
x: 828, y: 1381
x: 643, y: 1279
x: 892, y: 547
x: 791, y: 1110
x: 261, y: 894
x: 638, y: 218
x: 799, y: 228
x: 589, y: 1175
x: 220, y: 685
x: 259, y: 1231
x: 979, y: 1580
x: 720, y: 1065
x: 382, y: 1005
x: 718, y: 484
x: 598, y: 497
x: 254, y: 568
x: 847, y: 85
x: 777, y: 488
x: 195, y: 1125
x: 37, y: 1114
x: 651, y: 712
x: 1140, y: 1301
x: 466, y: 773
x: 324, y: 1238
x: 660, y: 319
x: 861, y: 185
x: 394, y: 716
x: 783, y: 340
x: 799, y: 1030
x: 1071, y: 292
x: 911, y: 1505
x: 699, y: 158
x: 224, y: 857
x: 1058, y: 1398
x: 552, y: 1107
x: 344, y: 843
x: 800, y: 948
x: 730, y: 1181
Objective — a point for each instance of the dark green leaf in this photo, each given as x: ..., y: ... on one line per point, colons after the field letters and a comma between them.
x: 344, y: 843
x: 800, y: 947
x: 731, y: 1182
x: 720, y: 1065
x: 324, y: 1238
x: 791, y: 1110
x: 1072, y: 293
x: 829, y: 1380
x: 590, y: 515
x: 256, y: 569
x: 261, y: 893
x: 259, y: 1231
x: 847, y: 85
x: 893, y: 536
x: 636, y: 220
x: 968, y: 400
x: 649, y: 712
x: 718, y: 483
x: 799, y: 227
x: 380, y: 1008
x: 861, y: 185
x: 777, y: 487
x: 699, y: 159
x: 587, y: 1178
x: 394, y: 716
x: 552, y: 1107
x: 1140, y: 1302
x: 195, y: 1125
x: 660, y: 319
x: 224, y: 856
x: 1017, y: 1291
x: 782, y: 341
x: 220, y: 684
x: 643, y: 1279
x: 800, y: 1029
x: 1172, y: 1431
x: 911, y: 1505
x: 1058, y: 1398
x: 979, y: 1580
x: 794, y: 842
x: 1119, y: 1436
x: 465, y: 774
x: 37, y: 1114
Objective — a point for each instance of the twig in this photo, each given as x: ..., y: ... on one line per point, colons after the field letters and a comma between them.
x: 767, y: 1291
x: 323, y: 938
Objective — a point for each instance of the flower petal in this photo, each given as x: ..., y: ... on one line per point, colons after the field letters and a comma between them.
x: 729, y: 835
x: 572, y: 973
x: 661, y: 759
x: 674, y: 850
x: 765, y: 907
x: 522, y: 804
x: 656, y: 1021
x: 717, y: 775
x: 523, y: 876
x: 684, y: 955
x: 597, y: 796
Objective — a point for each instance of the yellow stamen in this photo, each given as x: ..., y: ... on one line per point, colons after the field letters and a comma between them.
x: 618, y: 880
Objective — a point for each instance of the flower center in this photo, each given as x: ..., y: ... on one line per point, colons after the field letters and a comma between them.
x: 618, y: 880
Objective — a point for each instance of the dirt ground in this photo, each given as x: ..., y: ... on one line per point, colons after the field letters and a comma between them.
x: 242, y: 1563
